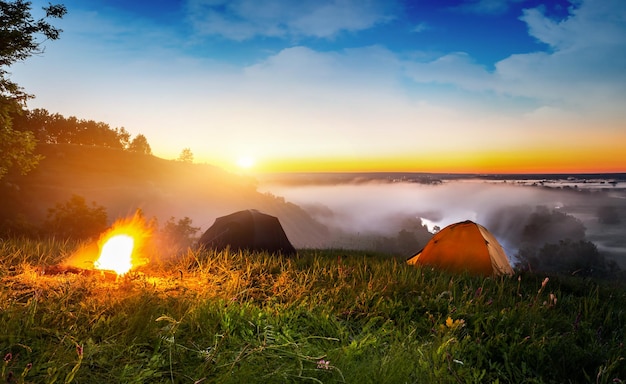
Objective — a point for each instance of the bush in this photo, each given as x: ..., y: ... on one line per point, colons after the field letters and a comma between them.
x: 567, y: 256
x: 74, y: 219
x: 549, y: 226
x: 608, y: 215
x: 179, y: 234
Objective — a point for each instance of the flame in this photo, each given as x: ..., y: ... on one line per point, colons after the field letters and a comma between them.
x: 116, y: 254
x: 120, y: 247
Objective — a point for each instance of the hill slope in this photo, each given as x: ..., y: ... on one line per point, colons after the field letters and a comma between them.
x: 123, y: 181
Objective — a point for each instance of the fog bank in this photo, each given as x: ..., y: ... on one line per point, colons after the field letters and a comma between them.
x: 379, y: 207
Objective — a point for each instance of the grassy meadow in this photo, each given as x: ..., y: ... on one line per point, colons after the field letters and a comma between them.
x: 322, y: 317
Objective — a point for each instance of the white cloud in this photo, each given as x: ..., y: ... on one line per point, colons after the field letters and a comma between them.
x: 586, y: 66
x: 420, y: 27
x: 245, y: 19
x: 583, y: 70
x: 592, y: 23
x: 300, y: 100
x: 456, y: 68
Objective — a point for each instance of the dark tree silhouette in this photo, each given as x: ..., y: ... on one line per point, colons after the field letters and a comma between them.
x: 550, y: 226
x: 140, y: 144
x: 580, y: 258
x: 608, y: 215
x: 56, y: 129
x: 20, y: 38
x: 179, y: 234
x: 74, y: 219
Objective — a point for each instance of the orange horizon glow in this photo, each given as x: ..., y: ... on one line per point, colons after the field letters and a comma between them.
x: 531, y: 162
x: 597, y: 154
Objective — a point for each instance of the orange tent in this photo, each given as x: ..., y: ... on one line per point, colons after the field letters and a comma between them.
x: 464, y: 246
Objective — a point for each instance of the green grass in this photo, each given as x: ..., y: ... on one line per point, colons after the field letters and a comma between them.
x: 324, y: 316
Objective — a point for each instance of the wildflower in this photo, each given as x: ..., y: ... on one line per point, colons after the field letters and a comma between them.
x: 8, y: 357
x: 543, y: 284
x: 453, y: 324
x: 478, y: 292
x: 323, y: 364
x: 79, y: 350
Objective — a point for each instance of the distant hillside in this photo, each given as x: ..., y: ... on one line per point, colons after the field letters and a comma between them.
x: 123, y: 181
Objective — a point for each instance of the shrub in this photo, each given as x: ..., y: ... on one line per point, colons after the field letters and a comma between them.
x: 608, y: 215
x: 567, y: 256
x: 179, y: 234
x: 74, y: 219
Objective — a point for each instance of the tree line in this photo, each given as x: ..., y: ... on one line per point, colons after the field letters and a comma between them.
x: 48, y: 128
x: 22, y: 36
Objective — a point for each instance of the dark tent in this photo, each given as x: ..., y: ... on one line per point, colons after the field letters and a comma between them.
x: 249, y: 229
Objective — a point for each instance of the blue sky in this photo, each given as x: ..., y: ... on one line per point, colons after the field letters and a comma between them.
x: 485, y: 85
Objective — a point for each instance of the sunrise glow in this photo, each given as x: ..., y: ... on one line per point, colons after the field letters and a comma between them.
x: 531, y: 160
x: 539, y: 87
x: 246, y: 162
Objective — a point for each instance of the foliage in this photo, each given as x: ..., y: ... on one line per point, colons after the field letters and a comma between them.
x: 544, y: 225
x: 608, y: 214
x: 16, y: 148
x: 178, y: 235
x: 19, y: 31
x: 19, y: 34
x: 573, y: 257
x: 56, y: 129
x: 353, y: 317
x: 554, y: 242
x: 186, y: 156
x: 75, y: 219
x: 410, y: 238
x: 140, y: 144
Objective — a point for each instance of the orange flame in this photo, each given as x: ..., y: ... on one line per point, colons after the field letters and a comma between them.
x: 116, y: 254
x: 120, y: 247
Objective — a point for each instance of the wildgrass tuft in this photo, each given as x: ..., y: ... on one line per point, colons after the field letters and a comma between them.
x: 320, y: 317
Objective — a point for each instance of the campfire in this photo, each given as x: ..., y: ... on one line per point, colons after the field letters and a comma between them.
x: 116, y: 254
x: 119, y: 250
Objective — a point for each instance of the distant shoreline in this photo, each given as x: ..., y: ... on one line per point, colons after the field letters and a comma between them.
x: 304, y: 178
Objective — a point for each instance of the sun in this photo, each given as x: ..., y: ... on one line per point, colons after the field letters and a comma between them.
x: 246, y: 162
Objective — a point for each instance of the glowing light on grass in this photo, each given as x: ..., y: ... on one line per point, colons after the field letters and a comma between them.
x: 116, y: 254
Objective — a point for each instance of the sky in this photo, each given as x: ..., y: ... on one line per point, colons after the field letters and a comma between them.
x: 470, y: 86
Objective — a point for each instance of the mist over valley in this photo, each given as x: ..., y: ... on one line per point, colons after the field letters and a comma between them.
x: 359, y: 207
x: 393, y: 213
